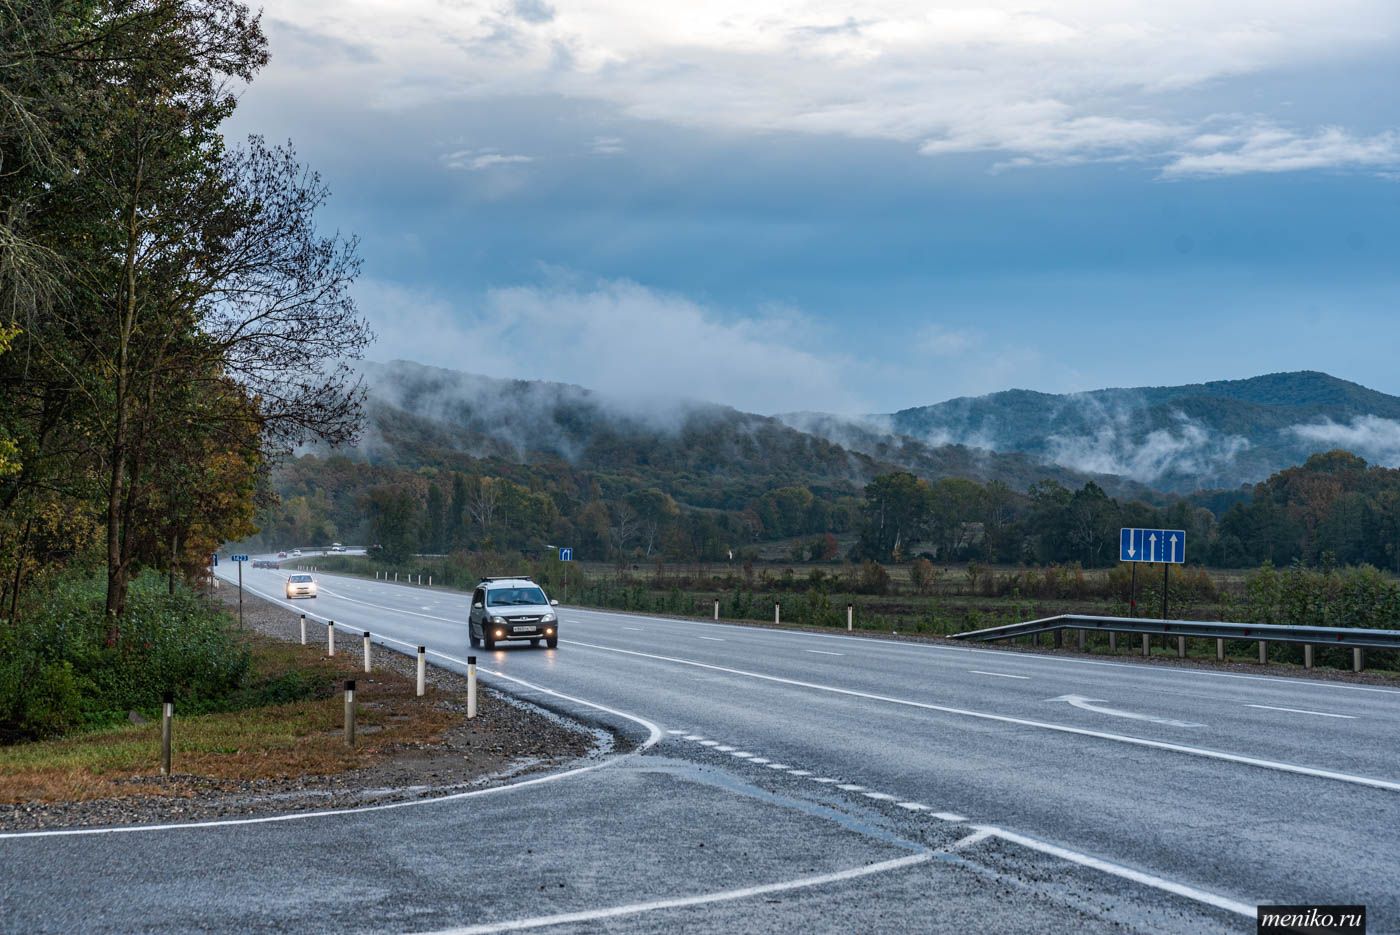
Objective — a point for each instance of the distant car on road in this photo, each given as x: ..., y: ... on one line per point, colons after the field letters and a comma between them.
x: 512, y: 609
x: 337, y: 547
x: 300, y: 585
x: 281, y: 554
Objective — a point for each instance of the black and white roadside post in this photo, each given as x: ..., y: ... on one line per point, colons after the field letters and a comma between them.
x: 422, y: 670
x: 350, y: 712
x: 367, y: 659
x: 167, y: 718
x: 330, y: 637
x: 850, y: 617
x: 303, y: 629
x: 471, y: 687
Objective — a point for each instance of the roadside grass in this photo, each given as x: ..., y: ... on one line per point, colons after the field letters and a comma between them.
x: 296, y: 733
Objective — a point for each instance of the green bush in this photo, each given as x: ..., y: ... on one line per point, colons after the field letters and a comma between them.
x: 57, y: 671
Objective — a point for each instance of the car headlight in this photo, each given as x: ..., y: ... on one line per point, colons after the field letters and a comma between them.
x: 548, y: 618
x: 498, y: 620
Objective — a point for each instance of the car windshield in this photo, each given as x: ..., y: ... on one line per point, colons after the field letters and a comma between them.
x: 300, y: 579
x: 504, y: 597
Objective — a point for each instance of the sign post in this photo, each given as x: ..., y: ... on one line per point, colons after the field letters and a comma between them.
x: 566, y: 555
x: 240, y: 559
x: 1167, y: 546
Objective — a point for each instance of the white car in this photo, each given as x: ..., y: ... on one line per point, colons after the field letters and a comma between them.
x: 512, y: 609
x: 296, y: 551
x: 300, y: 586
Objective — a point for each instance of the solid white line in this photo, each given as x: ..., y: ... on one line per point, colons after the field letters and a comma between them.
x: 1000, y: 675
x: 1033, y: 658
x: 712, y: 639
x: 612, y: 912
x: 1127, y: 873
x: 1385, y: 784
x: 1269, y: 707
x: 980, y: 835
x: 822, y: 652
x: 636, y: 629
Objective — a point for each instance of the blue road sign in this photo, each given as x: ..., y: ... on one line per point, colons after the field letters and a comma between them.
x: 1152, y: 545
x: 566, y: 555
x: 239, y: 558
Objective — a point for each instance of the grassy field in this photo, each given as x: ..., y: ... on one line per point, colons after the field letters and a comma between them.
x: 299, y: 737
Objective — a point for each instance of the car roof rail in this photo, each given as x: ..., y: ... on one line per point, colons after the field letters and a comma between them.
x: 508, y: 578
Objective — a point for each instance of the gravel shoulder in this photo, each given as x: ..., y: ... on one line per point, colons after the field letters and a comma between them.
x: 507, y: 740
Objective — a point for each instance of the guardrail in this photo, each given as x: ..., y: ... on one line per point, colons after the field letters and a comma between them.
x: 1356, y: 639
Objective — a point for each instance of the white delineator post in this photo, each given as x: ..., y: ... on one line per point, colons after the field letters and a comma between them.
x: 303, y: 629
x: 777, y: 612
x: 167, y: 718
x: 330, y: 637
x: 850, y: 617
x: 716, y: 608
x: 430, y: 581
x: 471, y: 687
x: 422, y: 670
x: 367, y: 659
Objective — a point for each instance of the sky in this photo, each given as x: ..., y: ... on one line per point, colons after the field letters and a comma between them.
x: 856, y: 207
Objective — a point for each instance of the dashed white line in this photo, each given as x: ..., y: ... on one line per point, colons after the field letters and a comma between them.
x: 778, y: 766
x: 724, y: 749
x: 675, y: 732
x: 709, y: 743
x: 822, y: 779
x: 949, y: 816
x: 800, y: 772
x: 881, y: 796
x: 633, y: 629
x: 694, y: 737
x: 1000, y: 675
x: 742, y: 754
x: 822, y: 652
x: 851, y: 787
x: 913, y: 806
x: 1269, y: 707
x: 712, y: 639
x: 758, y: 759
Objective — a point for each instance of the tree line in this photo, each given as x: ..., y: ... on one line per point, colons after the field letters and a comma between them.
x: 171, y: 320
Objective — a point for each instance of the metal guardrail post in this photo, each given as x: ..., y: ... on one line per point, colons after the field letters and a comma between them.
x: 1263, y: 652
x: 1220, y: 650
x: 1081, y: 640
x: 1035, y: 639
x: 167, y: 719
x: 1112, y: 642
x: 1146, y: 644
x: 1357, y: 658
x: 1308, y: 656
x: 1181, y: 647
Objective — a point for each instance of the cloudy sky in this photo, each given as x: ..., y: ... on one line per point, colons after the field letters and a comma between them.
x: 857, y: 206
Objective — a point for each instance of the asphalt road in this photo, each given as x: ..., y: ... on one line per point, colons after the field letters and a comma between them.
x: 793, y: 781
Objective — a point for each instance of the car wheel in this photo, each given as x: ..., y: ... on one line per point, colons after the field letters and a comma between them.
x: 473, y: 639
x: 486, y: 642
x: 552, y: 642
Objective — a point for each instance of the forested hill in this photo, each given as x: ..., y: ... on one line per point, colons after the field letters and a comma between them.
x: 733, y: 477
x: 1220, y: 434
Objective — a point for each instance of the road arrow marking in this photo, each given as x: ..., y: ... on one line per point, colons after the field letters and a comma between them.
x: 1087, y: 704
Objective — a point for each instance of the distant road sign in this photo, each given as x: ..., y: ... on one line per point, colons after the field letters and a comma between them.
x: 566, y: 555
x: 239, y: 558
x: 215, y: 556
x: 1152, y: 545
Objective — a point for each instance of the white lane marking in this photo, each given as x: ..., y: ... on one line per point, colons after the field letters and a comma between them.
x: 800, y: 772
x: 822, y: 779
x: 758, y: 759
x: 742, y: 754
x: 635, y: 629
x: 778, y: 766
x: 1269, y: 707
x: 712, y: 639
x: 851, y: 787
x: 723, y: 749
x: 1087, y: 704
x: 1385, y: 784
x: 1000, y: 675
x: 980, y: 835
x: 675, y: 732
x: 822, y: 652
x: 612, y: 912
x: 694, y: 737
x: 881, y: 796
x: 1028, y: 658
x: 709, y: 743
x: 949, y: 816
x: 913, y: 806
x: 1126, y: 873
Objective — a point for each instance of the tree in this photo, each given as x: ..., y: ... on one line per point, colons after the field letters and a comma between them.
x: 895, y: 514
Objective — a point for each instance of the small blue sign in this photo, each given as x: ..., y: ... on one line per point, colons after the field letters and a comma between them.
x: 239, y: 558
x: 1152, y: 545
x: 566, y: 555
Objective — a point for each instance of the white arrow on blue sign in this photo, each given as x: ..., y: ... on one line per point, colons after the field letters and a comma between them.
x: 566, y: 555
x: 239, y: 558
x: 1152, y: 545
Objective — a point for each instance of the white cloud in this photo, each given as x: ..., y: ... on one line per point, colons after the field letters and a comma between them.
x: 939, y: 341
x: 1373, y: 437
x: 606, y: 146
x: 1275, y: 149
x: 473, y: 160
x: 619, y: 338
x: 1060, y: 81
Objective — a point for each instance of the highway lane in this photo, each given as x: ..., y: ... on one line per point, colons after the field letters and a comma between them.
x: 1250, y: 832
